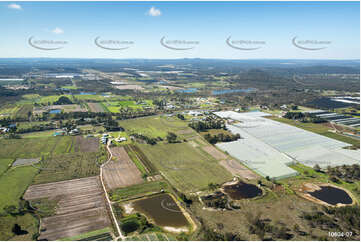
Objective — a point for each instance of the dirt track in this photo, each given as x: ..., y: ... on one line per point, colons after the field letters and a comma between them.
x: 81, y: 207
x: 121, y: 172
x: 218, y: 155
x: 236, y: 168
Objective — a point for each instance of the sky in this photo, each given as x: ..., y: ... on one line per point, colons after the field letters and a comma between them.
x: 255, y: 30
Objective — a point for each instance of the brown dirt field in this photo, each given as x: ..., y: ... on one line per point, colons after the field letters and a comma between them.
x: 238, y: 169
x: 122, y: 172
x: 218, y: 155
x: 96, y: 107
x: 90, y: 144
x: 81, y: 207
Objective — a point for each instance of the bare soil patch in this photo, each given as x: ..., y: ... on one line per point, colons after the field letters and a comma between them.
x: 218, y: 155
x: 96, y: 107
x: 89, y: 144
x: 81, y: 207
x: 21, y: 162
x: 121, y: 172
x: 237, y: 169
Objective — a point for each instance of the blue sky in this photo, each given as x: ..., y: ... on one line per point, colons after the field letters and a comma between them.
x: 273, y: 24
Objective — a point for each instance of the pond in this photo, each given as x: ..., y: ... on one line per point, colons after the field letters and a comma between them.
x: 54, y: 111
x: 332, y: 195
x: 226, y: 91
x: 242, y: 190
x: 188, y: 90
x: 87, y: 93
x: 162, y: 209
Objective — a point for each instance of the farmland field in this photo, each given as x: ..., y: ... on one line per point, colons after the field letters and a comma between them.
x: 90, y: 144
x: 157, y: 126
x: 80, y: 209
x: 9, y: 111
x: 98, y: 235
x: 137, y: 190
x: 96, y: 107
x: 13, y: 184
x: 121, y: 172
x: 66, y: 166
x: 5, y: 164
x: 24, y: 110
x: 188, y: 169
x: 33, y: 148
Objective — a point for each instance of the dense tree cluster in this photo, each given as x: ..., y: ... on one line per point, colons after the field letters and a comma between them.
x: 148, y: 140
x: 221, y: 137
x: 304, y: 117
x: 209, y: 123
x: 172, y: 138
x: 348, y: 173
x: 63, y: 100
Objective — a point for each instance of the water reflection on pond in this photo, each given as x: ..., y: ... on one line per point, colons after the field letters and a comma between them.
x: 162, y: 209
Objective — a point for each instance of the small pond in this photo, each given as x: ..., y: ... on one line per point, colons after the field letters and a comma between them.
x: 332, y: 195
x: 87, y: 93
x: 162, y: 209
x: 188, y: 90
x: 242, y: 190
x: 54, y: 111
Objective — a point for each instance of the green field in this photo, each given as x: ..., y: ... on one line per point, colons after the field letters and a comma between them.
x: 91, y: 235
x: 33, y: 148
x: 152, y: 237
x: 15, y: 180
x: 24, y: 111
x: 188, y: 169
x: 9, y: 110
x: 157, y: 126
x: 138, y: 190
x: 66, y: 167
x: 70, y: 87
x: 13, y: 184
x: 5, y: 164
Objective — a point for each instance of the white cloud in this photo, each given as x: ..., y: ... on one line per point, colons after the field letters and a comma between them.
x: 154, y: 12
x: 57, y: 31
x: 15, y: 6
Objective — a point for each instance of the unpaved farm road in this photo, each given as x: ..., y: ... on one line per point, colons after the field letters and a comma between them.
x: 121, y: 236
